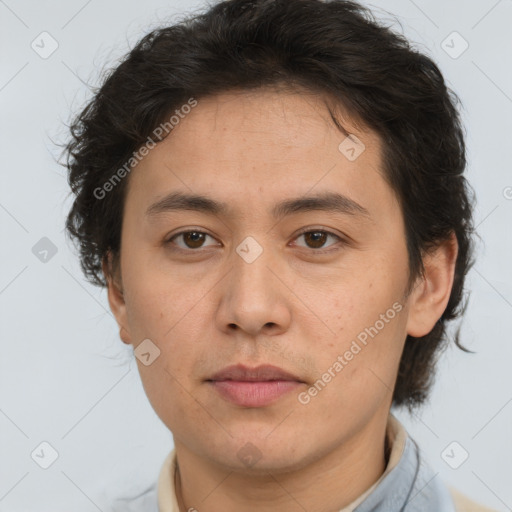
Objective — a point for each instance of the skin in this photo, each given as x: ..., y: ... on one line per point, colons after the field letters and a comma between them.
x: 291, y: 307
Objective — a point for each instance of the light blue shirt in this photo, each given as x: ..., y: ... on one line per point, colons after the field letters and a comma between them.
x: 411, y: 486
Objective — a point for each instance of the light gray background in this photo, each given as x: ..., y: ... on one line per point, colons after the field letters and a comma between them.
x: 66, y: 378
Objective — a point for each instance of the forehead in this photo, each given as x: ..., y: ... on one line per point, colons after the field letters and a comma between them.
x: 264, y: 141
x: 285, y: 117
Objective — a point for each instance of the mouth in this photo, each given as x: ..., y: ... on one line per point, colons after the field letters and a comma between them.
x: 253, y: 387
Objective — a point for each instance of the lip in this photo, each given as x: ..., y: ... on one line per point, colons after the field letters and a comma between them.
x: 253, y: 387
x: 264, y: 372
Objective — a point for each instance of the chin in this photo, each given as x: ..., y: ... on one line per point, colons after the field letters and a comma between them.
x: 261, y: 454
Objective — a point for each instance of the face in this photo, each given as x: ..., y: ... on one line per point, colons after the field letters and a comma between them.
x: 316, y: 291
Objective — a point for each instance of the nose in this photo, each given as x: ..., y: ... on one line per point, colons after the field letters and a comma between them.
x: 254, y: 299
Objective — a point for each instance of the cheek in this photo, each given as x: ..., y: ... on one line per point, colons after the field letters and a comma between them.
x: 166, y: 390
x: 369, y: 333
x: 157, y: 304
x: 172, y: 315
x: 364, y: 375
x: 165, y: 317
x: 365, y: 307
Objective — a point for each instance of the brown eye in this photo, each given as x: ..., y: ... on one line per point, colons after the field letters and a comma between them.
x: 190, y: 239
x: 193, y: 239
x: 316, y: 239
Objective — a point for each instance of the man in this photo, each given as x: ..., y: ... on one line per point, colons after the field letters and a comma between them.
x: 273, y: 194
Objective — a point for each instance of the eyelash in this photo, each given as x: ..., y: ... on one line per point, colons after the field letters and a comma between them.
x: 305, y: 231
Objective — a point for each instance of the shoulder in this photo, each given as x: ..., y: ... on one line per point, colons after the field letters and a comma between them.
x: 464, y: 504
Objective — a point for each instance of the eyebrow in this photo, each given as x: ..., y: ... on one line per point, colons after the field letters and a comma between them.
x: 326, y: 201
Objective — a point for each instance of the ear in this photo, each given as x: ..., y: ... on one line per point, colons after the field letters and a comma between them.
x: 430, y: 296
x: 116, y: 297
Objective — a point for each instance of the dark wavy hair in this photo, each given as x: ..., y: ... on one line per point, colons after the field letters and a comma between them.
x: 336, y: 48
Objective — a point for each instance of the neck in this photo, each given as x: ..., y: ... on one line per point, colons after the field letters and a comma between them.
x: 328, y: 483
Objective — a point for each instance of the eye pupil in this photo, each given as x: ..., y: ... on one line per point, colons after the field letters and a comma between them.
x: 196, y: 238
x: 318, y: 238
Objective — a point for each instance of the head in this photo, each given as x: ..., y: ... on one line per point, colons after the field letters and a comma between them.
x: 266, y: 115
